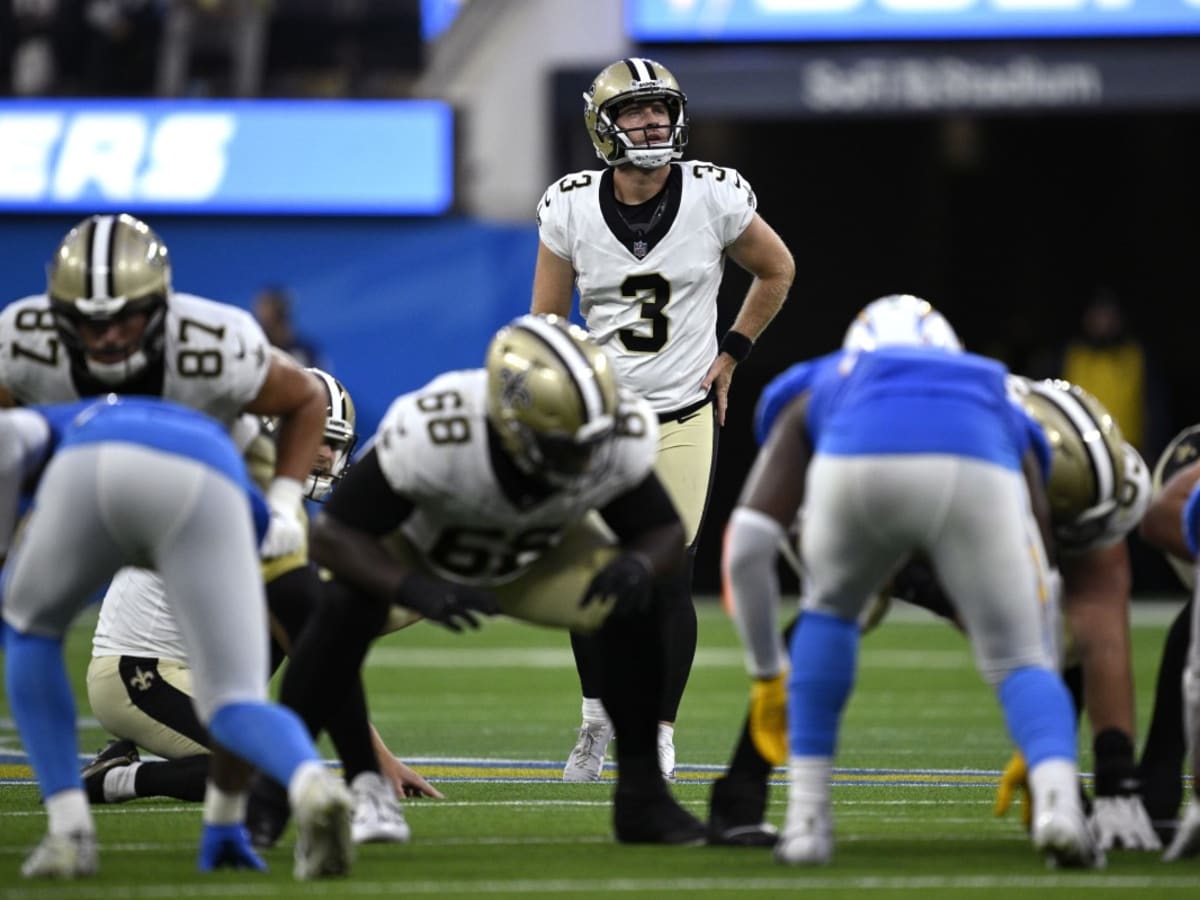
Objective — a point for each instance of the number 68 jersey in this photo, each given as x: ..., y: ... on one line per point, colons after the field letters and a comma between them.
x: 215, y: 357
x: 433, y: 450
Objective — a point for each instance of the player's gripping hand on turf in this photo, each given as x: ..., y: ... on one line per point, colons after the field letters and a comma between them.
x: 1014, y: 785
x: 227, y: 847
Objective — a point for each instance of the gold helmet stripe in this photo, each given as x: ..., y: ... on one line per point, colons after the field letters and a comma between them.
x: 576, y: 363
x: 1089, y: 430
x: 101, y: 248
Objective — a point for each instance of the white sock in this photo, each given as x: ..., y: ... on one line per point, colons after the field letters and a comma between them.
x: 593, y: 710
x: 223, y: 807
x: 1054, y: 782
x: 666, y: 732
x: 119, y: 783
x: 68, y: 812
x: 300, y: 778
x: 808, y: 786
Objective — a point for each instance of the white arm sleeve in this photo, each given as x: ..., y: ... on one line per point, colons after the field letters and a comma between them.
x: 24, y: 439
x: 751, y: 547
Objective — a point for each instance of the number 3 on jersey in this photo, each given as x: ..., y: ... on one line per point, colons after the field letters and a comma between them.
x: 654, y: 293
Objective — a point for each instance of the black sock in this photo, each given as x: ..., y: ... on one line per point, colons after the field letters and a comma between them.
x: 325, y: 663
x: 628, y: 649
x: 1161, y: 766
x: 677, y: 619
x: 1072, y: 677
x: 182, y: 778
x: 350, y: 730
x: 584, y: 648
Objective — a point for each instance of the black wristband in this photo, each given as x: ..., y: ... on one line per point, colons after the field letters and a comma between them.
x: 736, y: 345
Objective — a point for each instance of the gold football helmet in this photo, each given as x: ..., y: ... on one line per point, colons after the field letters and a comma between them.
x: 627, y: 81
x: 1087, y: 469
x: 340, y: 435
x: 1181, y: 452
x: 105, y: 269
x: 551, y: 397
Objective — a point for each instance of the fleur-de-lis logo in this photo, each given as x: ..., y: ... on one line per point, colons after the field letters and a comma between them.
x: 143, y: 681
x: 514, y: 392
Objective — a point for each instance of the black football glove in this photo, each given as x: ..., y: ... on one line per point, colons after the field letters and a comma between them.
x: 451, y: 605
x: 628, y: 580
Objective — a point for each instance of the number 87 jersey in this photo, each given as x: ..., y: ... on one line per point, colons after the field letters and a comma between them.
x: 213, y: 358
x: 648, y: 290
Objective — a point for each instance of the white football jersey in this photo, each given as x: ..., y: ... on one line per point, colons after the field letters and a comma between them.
x: 215, y: 356
x: 651, y: 300
x: 433, y: 450
x: 135, y: 619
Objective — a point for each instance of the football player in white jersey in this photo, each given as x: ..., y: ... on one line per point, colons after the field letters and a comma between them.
x: 644, y: 241
x: 1161, y: 766
x: 1098, y: 488
x: 527, y: 488
x: 110, y: 322
x: 140, y: 683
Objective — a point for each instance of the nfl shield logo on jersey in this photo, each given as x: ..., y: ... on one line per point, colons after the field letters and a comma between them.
x: 640, y: 249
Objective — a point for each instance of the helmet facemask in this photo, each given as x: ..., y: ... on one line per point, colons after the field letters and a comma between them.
x: 340, y: 438
x: 106, y: 270
x: 635, y: 81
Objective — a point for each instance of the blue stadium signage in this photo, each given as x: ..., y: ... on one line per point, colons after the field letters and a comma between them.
x: 815, y: 20
x: 234, y: 157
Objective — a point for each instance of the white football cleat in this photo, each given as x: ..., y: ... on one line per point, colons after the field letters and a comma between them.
x: 586, y: 761
x: 806, y: 839
x: 666, y: 752
x: 378, y: 818
x: 63, y: 856
x: 1061, y: 832
x: 1187, y: 838
x: 322, y: 809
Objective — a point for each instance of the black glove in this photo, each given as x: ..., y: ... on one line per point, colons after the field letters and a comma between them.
x: 628, y: 580
x: 449, y: 604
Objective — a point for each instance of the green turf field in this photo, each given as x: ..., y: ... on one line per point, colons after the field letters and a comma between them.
x: 490, y: 717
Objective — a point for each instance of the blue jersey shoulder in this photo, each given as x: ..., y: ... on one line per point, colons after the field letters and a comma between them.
x: 786, y: 387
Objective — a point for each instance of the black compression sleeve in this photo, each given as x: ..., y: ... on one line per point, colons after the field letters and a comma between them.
x: 363, y: 500
x: 639, y: 510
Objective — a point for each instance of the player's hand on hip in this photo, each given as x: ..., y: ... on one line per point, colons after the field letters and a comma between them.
x: 720, y: 374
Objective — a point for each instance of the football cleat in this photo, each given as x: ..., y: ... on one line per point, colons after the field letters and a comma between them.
x: 113, y: 755
x: 736, y: 811
x: 323, y: 845
x: 653, y: 817
x: 70, y: 855
x: 807, y: 838
x: 1063, y: 835
x: 1186, y: 840
x: 378, y: 818
x: 267, y: 812
x: 586, y: 761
